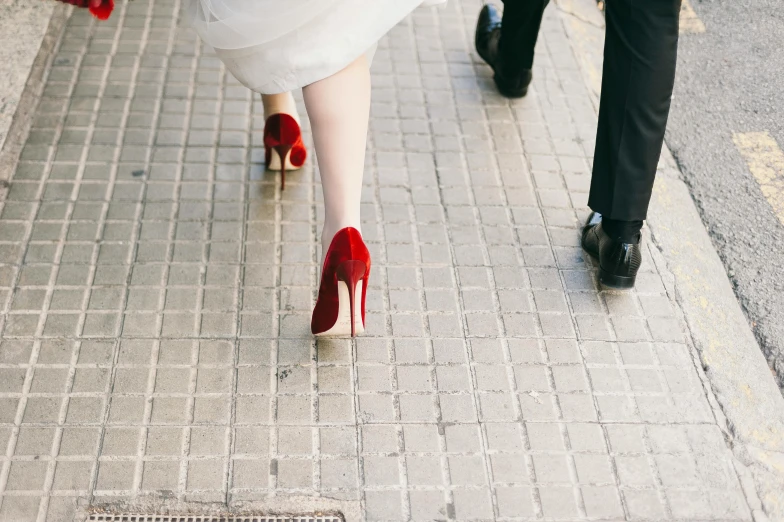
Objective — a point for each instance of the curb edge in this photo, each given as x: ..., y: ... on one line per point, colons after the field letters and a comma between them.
x: 31, y: 94
x: 731, y: 359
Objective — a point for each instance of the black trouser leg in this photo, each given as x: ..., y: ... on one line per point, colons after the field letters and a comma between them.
x: 639, y: 71
x: 519, y: 29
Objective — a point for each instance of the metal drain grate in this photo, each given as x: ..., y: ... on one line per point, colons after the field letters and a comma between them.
x: 125, y: 517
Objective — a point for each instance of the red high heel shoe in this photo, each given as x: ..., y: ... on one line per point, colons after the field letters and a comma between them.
x: 344, y: 275
x: 284, y: 149
x: 101, y: 9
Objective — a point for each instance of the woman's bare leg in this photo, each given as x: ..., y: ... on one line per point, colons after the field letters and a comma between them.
x: 339, y: 108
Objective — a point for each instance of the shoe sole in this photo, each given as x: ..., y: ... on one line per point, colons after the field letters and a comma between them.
x: 342, y: 327
x: 615, y: 282
x: 508, y: 93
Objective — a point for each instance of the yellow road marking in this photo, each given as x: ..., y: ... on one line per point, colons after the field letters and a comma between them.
x: 766, y: 163
x: 690, y: 23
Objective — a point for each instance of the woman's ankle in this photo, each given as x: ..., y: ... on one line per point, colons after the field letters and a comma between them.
x: 328, y: 232
x: 282, y: 103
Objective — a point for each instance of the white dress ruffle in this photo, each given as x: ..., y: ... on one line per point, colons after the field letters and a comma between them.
x: 274, y: 46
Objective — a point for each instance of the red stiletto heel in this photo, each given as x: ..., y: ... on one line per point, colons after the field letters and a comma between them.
x: 351, y: 272
x: 282, y: 151
x: 282, y: 136
x: 346, y: 265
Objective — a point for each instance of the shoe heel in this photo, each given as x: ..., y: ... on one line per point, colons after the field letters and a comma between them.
x: 282, y: 135
x: 283, y: 151
x: 351, y: 273
x: 510, y: 92
x: 615, y: 281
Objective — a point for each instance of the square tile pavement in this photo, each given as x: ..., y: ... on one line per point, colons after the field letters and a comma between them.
x: 156, y: 286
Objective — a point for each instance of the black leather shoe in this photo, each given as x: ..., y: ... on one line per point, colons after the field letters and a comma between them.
x: 488, y: 34
x: 618, y: 262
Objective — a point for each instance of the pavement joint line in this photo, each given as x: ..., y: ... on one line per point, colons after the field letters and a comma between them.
x: 765, y: 160
x: 472, y: 197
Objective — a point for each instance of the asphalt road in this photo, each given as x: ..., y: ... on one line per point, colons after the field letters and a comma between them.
x: 730, y: 79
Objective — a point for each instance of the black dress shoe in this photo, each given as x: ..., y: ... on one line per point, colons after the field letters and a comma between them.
x: 618, y: 261
x: 511, y: 81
